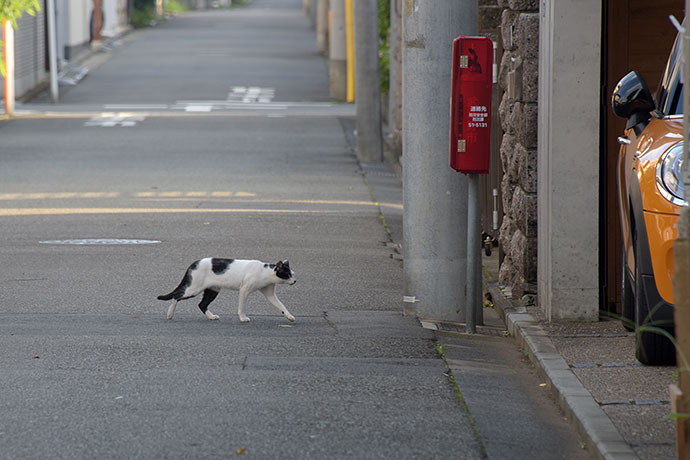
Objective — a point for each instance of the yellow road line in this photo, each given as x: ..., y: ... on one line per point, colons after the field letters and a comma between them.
x: 16, y: 212
x: 330, y: 202
x: 64, y: 195
x: 57, y: 195
x: 174, y: 196
x: 150, y: 114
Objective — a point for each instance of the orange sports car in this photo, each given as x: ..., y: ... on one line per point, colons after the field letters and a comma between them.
x: 651, y: 195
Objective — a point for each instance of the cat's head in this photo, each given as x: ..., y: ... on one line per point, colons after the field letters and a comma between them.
x: 283, y: 272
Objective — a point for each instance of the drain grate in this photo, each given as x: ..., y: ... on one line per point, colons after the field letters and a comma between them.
x: 100, y: 241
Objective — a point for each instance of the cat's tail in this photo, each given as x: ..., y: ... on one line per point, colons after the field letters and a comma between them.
x: 179, y: 291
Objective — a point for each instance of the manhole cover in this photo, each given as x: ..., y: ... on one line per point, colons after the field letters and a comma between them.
x: 100, y: 241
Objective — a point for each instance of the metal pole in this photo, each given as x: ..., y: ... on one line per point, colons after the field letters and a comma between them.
x: 52, y: 51
x: 8, y: 53
x: 350, y: 49
x: 368, y: 82
x: 474, y: 255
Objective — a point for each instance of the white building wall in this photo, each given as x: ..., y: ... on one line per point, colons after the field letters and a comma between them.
x: 73, y: 27
x: 114, y: 18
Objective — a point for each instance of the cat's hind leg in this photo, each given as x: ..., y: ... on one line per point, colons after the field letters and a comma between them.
x: 171, y: 309
x: 209, y: 296
x: 270, y: 293
x: 186, y: 294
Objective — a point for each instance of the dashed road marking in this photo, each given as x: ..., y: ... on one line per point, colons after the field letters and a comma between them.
x: 197, y: 194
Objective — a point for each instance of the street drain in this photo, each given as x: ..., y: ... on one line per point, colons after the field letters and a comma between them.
x: 100, y: 241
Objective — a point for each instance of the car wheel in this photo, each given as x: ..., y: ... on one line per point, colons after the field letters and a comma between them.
x: 628, y: 298
x: 651, y: 347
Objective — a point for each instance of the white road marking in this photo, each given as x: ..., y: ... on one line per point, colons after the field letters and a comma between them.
x: 252, y: 94
x: 198, y: 108
x: 135, y: 106
x: 111, y: 121
x: 100, y: 241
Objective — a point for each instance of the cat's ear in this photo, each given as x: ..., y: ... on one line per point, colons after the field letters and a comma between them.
x: 286, y: 263
x: 279, y: 264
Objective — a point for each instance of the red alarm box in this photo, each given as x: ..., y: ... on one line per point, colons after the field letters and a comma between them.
x: 470, y: 113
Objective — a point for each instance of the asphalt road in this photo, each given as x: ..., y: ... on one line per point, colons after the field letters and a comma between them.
x: 159, y: 144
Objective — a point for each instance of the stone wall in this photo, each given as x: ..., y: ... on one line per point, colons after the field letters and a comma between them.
x: 518, y: 75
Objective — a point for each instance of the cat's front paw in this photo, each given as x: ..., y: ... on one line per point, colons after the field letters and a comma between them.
x: 212, y: 316
x: 244, y: 319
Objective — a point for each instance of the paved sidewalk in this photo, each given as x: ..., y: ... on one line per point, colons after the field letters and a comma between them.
x: 617, y: 404
x: 495, y: 382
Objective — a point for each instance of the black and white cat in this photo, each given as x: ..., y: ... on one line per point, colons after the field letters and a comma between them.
x: 210, y: 275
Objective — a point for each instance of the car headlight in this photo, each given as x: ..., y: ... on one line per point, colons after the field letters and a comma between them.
x: 668, y: 175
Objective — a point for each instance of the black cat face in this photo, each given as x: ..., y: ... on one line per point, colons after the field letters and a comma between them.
x: 283, y: 271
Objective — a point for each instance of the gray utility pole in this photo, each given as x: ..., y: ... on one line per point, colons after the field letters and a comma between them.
x: 338, y: 51
x: 322, y: 26
x: 434, y: 195
x: 367, y: 82
x: 395, y: 87
x: 312, y: 12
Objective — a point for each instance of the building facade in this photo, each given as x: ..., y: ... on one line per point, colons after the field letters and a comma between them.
x: 561, y: 60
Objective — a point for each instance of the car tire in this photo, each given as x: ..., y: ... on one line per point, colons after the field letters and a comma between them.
x: 651, y: 347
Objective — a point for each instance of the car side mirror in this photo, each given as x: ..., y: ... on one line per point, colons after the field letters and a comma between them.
x: 632, y: 99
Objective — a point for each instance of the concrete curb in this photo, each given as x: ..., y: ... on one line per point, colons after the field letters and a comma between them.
x: 602, y: 438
